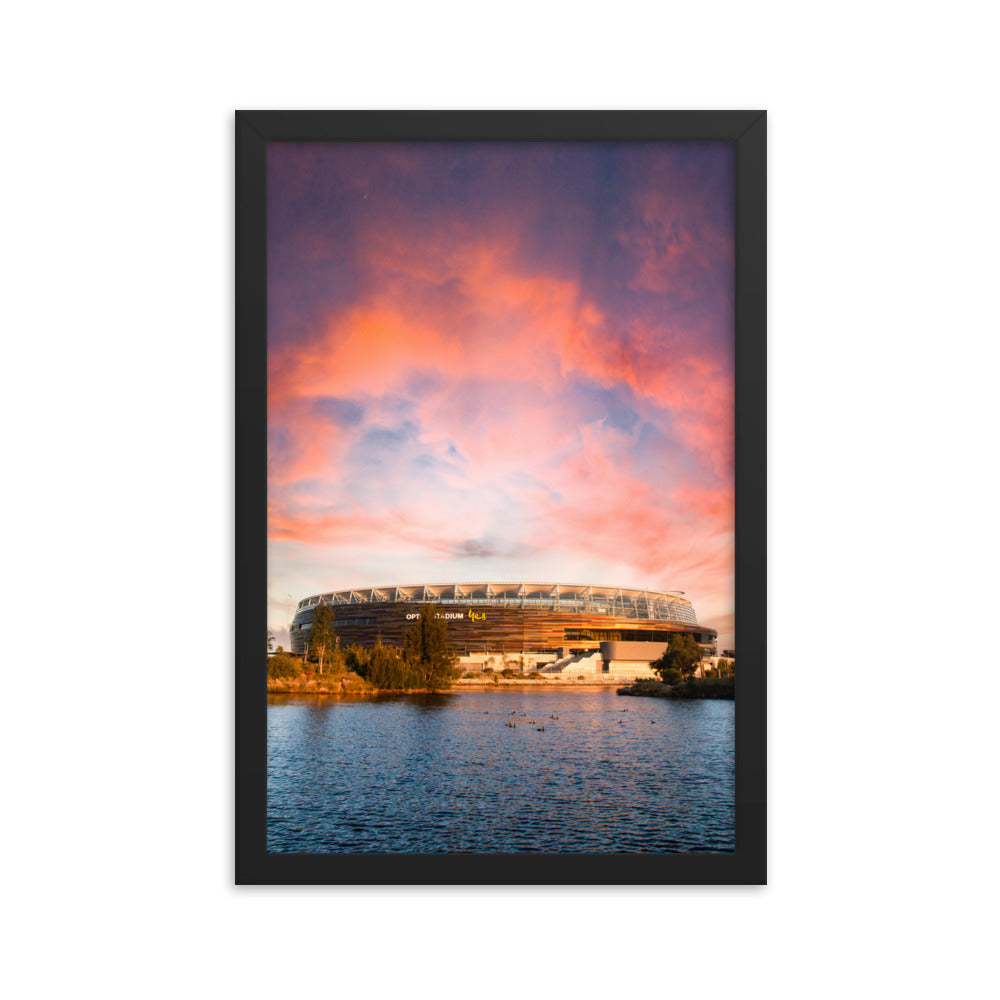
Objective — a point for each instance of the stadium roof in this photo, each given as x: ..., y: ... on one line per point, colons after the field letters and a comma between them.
x: 431, y: 592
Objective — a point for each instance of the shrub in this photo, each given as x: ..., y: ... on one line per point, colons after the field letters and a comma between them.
x: 671, y: 676
x: 357, y: 659
x: 336, y: 662
x: 646, y: 684
x: 282, y: 665
x: 390, y: 670
x: 712, y: 687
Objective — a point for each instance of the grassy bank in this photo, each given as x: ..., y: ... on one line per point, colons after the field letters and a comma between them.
x: 352, y: 684
x: 289, y: 675
x: 335, y: 684
x: 312, y: 683
x: 695, y: 688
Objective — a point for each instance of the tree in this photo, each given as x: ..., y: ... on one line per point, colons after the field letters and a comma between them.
x: 681, y: 657
x: 389, y: 670
x: 270, y: 641
x: 427, y: 652
x: 358, y: 659
x: 322, y: 636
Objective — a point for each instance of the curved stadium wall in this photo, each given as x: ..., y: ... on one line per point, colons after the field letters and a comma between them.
x: 491, y: 618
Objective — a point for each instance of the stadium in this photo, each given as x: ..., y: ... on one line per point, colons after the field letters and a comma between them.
x: 552, y: 627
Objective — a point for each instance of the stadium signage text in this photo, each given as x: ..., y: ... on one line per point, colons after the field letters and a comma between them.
x: 476, y: 616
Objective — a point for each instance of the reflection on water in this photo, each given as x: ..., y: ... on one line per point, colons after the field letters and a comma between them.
x: 447, y: 773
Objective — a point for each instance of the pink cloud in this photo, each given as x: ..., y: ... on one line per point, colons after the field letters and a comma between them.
x: 478, y: 382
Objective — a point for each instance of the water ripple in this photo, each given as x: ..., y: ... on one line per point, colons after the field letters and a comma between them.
x: 445, y: 773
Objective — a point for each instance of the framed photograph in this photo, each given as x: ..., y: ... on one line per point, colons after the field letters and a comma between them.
x: 500, y: 505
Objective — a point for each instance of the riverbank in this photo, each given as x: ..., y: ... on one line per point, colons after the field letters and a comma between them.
x: 343, y: 683
x: 337, y: 687
x: 480, y: 683
x: 352, y: 684
x: 721, y: 688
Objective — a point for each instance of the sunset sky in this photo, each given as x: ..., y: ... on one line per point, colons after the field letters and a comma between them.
x: 500, y: 362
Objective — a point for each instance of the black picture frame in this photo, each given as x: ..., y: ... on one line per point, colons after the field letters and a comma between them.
x: 747, y: 864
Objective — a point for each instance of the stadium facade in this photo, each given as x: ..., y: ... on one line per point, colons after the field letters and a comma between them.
x: 536, y: 624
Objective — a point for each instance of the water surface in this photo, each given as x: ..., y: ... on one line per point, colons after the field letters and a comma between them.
x: 423, y: 773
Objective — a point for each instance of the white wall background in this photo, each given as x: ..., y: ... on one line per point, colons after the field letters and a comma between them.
x: 117, y: 406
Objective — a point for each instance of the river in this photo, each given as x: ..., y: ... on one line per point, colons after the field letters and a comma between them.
x: 440, y: 773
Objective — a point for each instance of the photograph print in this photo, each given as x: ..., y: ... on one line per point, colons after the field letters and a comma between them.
x: 501, y: 563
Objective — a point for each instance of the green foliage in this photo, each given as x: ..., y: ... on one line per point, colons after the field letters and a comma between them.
x: 427, y: 652
x: 671, y: 676
x: 322, y: 637
x: 357, y: 659
x: 387, y: 669
x: 645, y: 685
x: 336, y: 661
x: 282, y: 665
x: 706, y: 687
x: 510, y: 672
x: 727, y: 668
x: 682, y: 655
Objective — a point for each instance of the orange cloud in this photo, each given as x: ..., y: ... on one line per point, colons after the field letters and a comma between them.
x: 497, y: 405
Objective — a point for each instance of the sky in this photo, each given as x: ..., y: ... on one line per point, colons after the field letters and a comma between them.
x: 501, y: 361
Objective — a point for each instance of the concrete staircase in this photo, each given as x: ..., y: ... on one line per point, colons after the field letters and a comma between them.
x: 580, y: 664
